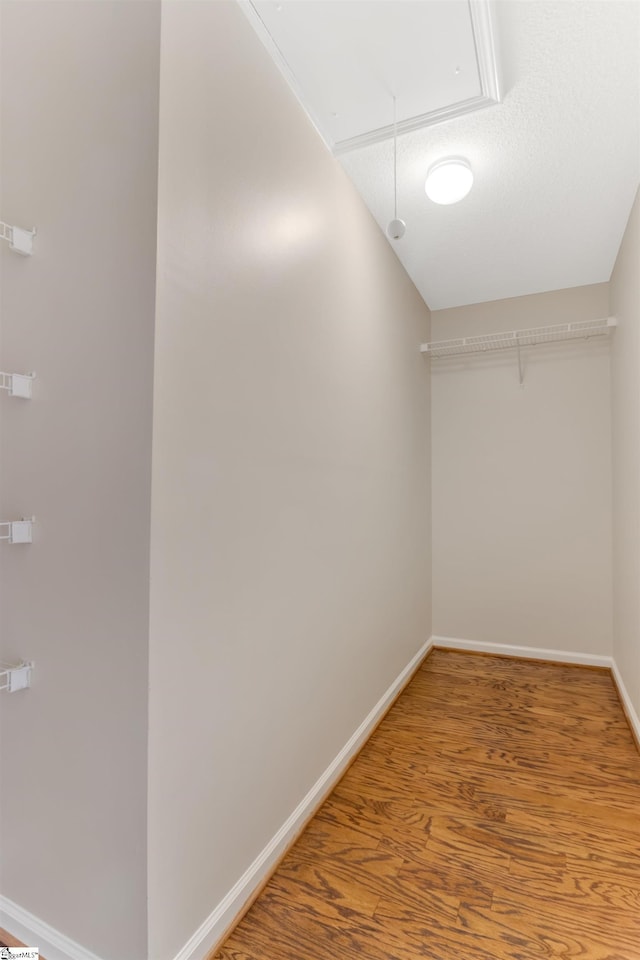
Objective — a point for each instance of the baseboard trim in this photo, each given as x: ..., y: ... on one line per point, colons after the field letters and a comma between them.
x: 218, y: 925
x: 26, y: 928
x: 33, y: 932
x: 524, y: 653
x: 627, y: 705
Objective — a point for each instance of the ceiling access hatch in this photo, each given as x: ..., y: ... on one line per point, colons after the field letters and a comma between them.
x: 347, y: 60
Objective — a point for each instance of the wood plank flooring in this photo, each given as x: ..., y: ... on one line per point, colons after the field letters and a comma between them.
x: 493, y: 815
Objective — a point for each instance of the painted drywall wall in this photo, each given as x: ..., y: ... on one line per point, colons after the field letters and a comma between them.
x: 625, y: 305
x: 290, y: 566
x: 522, y: 480
x: 79, y: 161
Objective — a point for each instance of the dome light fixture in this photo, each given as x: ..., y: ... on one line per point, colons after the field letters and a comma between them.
x: 449, y: 180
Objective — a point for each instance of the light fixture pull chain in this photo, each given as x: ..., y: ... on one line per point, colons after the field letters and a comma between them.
x: 395, y: 163
x: 396, y: 228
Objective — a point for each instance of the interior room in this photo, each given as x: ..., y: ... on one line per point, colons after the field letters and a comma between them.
x: 291, y: 452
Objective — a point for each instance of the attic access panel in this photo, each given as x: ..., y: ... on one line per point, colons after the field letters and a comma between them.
x: 346, y: 59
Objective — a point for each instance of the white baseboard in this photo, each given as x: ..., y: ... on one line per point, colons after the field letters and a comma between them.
x: 559, y: 656
x: 54, y: 945
x: 220, y: 920
x: 530, y: 653
x: 34, y: 932
x: 630, y: 710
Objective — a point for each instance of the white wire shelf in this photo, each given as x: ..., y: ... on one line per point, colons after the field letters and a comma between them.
x: 520, y: 338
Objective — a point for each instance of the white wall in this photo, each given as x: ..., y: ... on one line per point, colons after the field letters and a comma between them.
x: 625, y: 304
x: 79, y: 160
x: 522, y: 481
x: 290, y: 567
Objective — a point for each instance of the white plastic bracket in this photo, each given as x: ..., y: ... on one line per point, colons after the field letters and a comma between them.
x: 520, y: 370
x: 18, y: 677
x: 17, y: 384
x: 20, y: 240
x: 18, y: 531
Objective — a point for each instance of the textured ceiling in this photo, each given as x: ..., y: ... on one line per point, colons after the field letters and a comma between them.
x: 556, y: 163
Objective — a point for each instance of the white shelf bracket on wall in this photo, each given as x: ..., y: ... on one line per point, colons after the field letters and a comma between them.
x: 15, y: 677
x: 19, y: 239
x: 482, y: 343
x: 17, y: 531
x: 17, y: 384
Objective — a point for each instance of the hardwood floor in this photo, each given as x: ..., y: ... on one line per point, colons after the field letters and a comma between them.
x: 494, y: 814
x: 7, y: 940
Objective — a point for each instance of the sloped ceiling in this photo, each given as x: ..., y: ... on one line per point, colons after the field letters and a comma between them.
x: 551, y: 129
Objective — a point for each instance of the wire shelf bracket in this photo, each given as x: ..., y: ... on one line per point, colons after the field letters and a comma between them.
x: 15, y: 677
x: 19, y: 239
x: 17, y: 531
x: 17, y: 384
x: 582, y: 329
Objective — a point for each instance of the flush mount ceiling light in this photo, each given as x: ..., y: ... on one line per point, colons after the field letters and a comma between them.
x: 449, y: 180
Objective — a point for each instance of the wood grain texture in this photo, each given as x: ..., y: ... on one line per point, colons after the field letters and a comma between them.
x: 493, y: 815
x: 7, y: 940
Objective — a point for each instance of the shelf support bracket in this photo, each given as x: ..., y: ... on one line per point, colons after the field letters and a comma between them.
x: 18, y: 677
x: 520, y: 370
x: 17, y: 531
x: 17, y: 384
x: 19, y: 239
